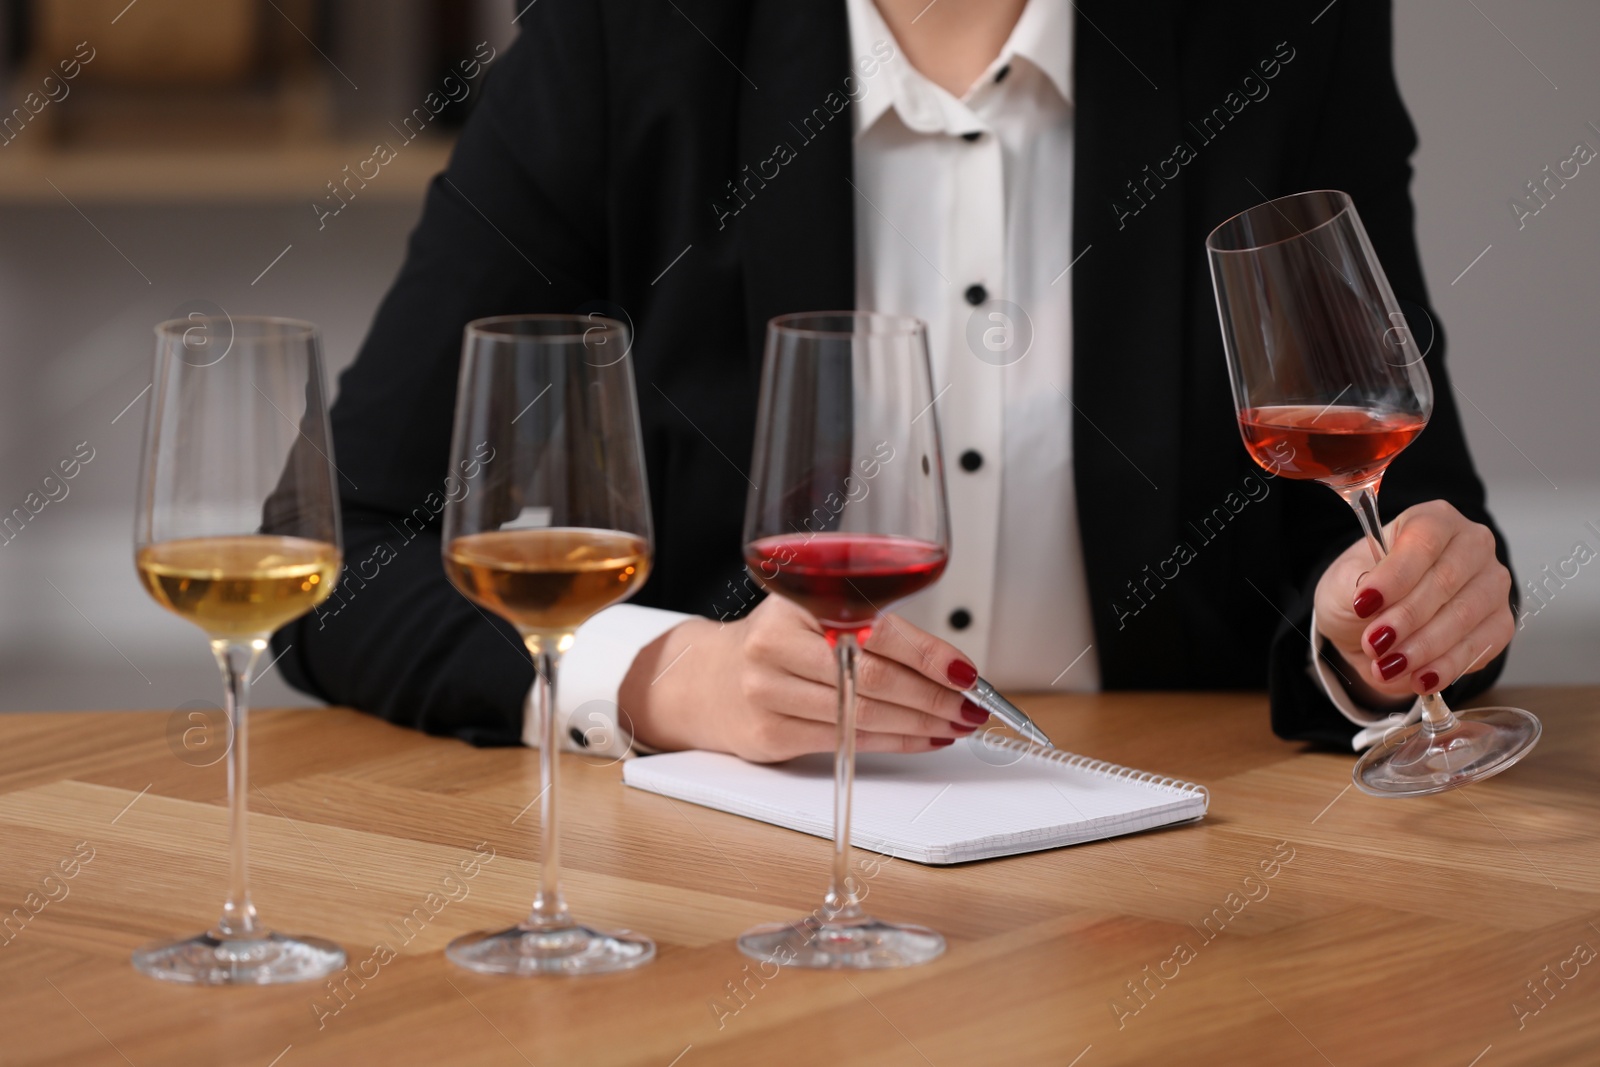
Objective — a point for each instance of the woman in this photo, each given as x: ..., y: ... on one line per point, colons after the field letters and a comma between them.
x: 1037, y: 186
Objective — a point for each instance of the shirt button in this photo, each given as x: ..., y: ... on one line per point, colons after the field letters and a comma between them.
x: 976, y: 294
x: 971, y: 459
x: 578, y: 738
x: 960, y: 619
x: 972, y: 135
x: 1000, y: 75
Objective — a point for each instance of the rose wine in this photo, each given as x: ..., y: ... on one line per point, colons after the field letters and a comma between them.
x: 237, y: 587
x: 547, y: 581
x: 1337, y: 446
x: 844, y: 580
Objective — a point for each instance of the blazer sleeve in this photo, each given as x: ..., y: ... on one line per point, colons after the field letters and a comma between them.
x: 514, y: 224
x: 1362, y: 144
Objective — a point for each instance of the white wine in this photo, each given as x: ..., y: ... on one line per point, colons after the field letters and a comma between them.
x: 547, y: 581
x: 236, y: 587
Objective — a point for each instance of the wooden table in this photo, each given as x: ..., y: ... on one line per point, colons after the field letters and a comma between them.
x: 1386, y: 932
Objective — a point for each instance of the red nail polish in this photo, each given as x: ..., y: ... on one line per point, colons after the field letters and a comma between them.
x: 972, y: 713
x: 942, y: 742
x: 1367, y: 602
x: 1429, y: 681
x: 1382, y: 640
x: 1391, y: 666
x: 963, y: 728
x: 962, y: 674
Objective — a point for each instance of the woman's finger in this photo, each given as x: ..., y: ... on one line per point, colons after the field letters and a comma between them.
x: 776, y: 693
x: 900, y: 743
x: 935, y: 659
x: 1484, y: 597
x: 1467, y: 555
x: 782, y: 737
x: 881, y: 678
x: 1416, y: 541
x: 807, y: 655
x: 1474, y: 650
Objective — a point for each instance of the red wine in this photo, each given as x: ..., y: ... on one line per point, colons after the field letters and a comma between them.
x: 844, y: 580
x: 1336, y: 445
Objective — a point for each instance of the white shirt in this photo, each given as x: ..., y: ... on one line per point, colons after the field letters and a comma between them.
x: 943, y: 216
x: 943, y: 219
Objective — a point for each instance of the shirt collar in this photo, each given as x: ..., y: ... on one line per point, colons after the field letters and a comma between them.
x: 1042, y: 37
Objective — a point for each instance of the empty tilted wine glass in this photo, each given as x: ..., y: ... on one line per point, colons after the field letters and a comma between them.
x: 237, y: 531
x: 846, y: 515
x: 556, y: 528
x: 1330, y: 385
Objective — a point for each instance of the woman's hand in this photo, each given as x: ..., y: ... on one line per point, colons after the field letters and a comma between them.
x: 764, y: 687
x: 1436, y: 608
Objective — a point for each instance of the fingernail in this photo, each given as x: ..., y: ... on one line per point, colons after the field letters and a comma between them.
x: 1391, y: 666
x: 1367, y: 602
x: 1429, y: 681
x: 963, y: 728
x: 972, y: 713
x: 943, y: 742
x: 962, y: 674
x: 1382, y: 640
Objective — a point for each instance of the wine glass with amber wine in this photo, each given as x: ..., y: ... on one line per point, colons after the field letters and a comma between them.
x: 846, y: 515
x: 555, y: 528
x: 1330, y: 385
x: 237, y: 531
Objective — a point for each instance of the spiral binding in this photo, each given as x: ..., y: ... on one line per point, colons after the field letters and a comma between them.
x: 1102, y: 767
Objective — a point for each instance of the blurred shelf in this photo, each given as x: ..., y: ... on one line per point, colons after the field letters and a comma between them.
x: 214, y: 176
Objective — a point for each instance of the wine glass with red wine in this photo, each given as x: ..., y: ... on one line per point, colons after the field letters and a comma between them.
x: 846, y: 516
x: 1330, y: 385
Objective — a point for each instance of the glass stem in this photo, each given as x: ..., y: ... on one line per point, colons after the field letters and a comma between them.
x: 237, y: 660
x: 1436, y: 715
x: 841, y: 904
x: 549, y: 907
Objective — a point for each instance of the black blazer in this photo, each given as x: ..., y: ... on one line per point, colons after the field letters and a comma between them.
x: 605, y: 169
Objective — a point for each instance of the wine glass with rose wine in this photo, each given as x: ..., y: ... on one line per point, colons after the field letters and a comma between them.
x: 556, y: 528
x: 1330, y: 385
x: 237, y: 531
x: 846, y: 516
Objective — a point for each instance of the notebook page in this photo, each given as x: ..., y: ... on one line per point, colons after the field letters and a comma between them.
x: 963, y: 802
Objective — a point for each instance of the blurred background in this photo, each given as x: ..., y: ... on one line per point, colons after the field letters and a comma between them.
x: 177, y: 157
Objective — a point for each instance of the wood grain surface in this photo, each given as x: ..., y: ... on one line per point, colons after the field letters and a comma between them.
x: 1300, y: 923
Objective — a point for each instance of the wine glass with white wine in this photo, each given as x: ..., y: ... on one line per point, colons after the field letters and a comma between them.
x: 237, y: 531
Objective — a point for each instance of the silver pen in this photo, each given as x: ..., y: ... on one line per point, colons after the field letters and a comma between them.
x: 989, y: 699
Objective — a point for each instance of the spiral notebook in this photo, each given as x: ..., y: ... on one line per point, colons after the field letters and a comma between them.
x: 975, y: 800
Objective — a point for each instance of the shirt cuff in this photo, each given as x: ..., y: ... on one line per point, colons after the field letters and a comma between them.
x: 591, y: 674
x: 1374, y: 724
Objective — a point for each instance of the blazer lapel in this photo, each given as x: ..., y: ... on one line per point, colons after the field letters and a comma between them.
x: 1128, y: 304
x: 797, y: 222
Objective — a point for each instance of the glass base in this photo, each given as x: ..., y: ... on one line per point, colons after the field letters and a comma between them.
x: 861, y: 944
x: 270, y: 959
x: 1415, y: 762
x: 571, y: 949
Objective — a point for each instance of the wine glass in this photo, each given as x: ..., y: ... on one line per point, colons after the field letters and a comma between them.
x: 846, y: 515
x: 1330, y: 385
x: 554, y: 527
x: 237, y: 531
